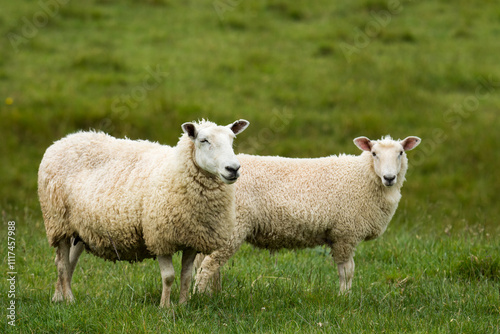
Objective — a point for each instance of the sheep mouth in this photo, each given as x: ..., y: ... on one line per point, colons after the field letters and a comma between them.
x: 389, y: 184
x: 229, y: 180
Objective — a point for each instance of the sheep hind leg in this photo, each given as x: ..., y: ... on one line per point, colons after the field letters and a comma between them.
x: 188, y: 257
x: 346, y: 273
x: 74, y: 254
x: 64, y: 273
x: 167, y: 278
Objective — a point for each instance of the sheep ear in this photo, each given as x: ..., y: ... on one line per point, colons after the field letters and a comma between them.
x: 190, y: 129
x: 409, y: 143
x: 239, y: 126
x: 363, y: 143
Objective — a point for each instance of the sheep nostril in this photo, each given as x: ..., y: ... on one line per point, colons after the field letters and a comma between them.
x: 232, y: 170
x: 389, y: 178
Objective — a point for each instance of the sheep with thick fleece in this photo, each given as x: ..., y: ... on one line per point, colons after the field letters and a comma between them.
x: 131, y: 200
x: 337, y: 201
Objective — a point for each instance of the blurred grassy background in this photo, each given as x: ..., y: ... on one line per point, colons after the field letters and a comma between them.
x: 309, y: 76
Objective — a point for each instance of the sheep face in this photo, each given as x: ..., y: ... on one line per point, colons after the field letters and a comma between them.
x: 214, y: 148
x: 388, y: 155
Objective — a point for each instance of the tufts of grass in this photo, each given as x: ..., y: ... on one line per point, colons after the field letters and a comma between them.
x: 159, y: 3
x: 325, y: 50
x: 397, y: 37
x: 478, y: 268
x: 374, y: 5
x: 83, y: 13
x: 98, y: 60
x: 235, y: 23
x: 288, y: 10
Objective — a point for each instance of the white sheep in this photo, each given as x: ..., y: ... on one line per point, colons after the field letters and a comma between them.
x: 337, y: 201
x: 131, y: 200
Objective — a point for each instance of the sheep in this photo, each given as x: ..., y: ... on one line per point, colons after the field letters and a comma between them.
x: 337, y: 201
x: 131, y: 200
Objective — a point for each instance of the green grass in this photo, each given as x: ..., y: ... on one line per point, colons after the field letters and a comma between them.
x: 430, y: 69
x: 406, y: 282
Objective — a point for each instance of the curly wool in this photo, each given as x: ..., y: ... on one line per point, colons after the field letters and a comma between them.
x: 131, y: 200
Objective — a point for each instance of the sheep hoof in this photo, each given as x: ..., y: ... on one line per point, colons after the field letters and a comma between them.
x: 344, y: 292
x: 58, y: 297
x: 164, y: 305
x: 203, y: 290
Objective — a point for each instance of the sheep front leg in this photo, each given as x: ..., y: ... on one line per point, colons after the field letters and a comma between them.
x: 208, y: 277
x: 207, y: 286
x: 188, y: 256
x: 346, y: 273
x: 167, y: 278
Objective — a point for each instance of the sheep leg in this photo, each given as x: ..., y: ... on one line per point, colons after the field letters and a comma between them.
x: 197, y: 263
x: 208, y: 275
x: 74, y: 254
x: 64, y: 273
x: 346, y: 273
x: 188, y: 256
x: 215, y: 283
x: 167, y: 278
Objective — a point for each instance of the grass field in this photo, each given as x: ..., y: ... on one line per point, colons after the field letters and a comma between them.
x: 406, y: 282
x: 310, y: 77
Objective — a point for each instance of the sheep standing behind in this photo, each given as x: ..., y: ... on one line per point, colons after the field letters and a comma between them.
x: 337, y: 201
x: 131, y: 200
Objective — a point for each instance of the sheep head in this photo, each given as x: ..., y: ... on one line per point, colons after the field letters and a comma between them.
x: 388, y: 155
x: 214, y: 147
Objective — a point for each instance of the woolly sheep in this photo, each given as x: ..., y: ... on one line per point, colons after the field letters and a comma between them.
x: 337, y: 201
x: 132, y: 200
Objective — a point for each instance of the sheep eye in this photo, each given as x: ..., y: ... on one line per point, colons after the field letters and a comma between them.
x: 205, y: 141
x: 374, y: 154
x: 401, y: 153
